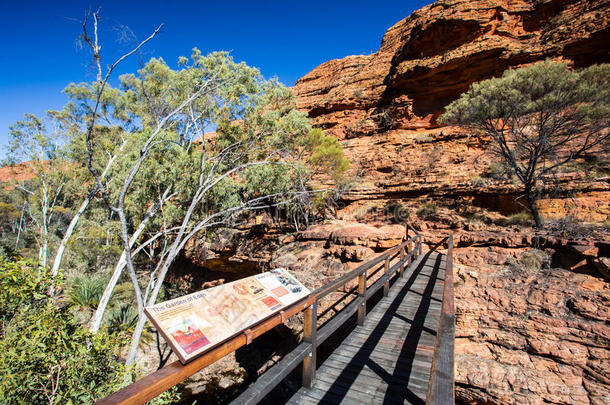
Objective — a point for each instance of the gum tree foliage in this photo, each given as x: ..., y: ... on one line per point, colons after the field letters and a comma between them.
x: 124, y: 177
x: 539, y: 118
x: 173, y: 179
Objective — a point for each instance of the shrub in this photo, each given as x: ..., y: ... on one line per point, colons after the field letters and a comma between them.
x: 7, y: 252
x: 423, y: 138
x: 569, y: 226
x: 86, y: 292
x: 531, y: 261
x: 427, y: 211
x: 478, y: 216
x: 398, y: 213
x: 45, y: 355
x: 22, y: 284
x: 478, y: 182
x: 326, y: 153
x: 520, y: 219
x: 534, y: 259
x: 365, y: 210
x: 498, y: 171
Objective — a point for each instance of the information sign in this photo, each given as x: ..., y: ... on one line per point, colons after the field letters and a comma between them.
x: 195, y: 323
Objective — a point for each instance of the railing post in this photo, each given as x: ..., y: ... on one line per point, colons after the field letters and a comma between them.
x: 362, y: 296
x: 403, y: 265
x: 386, y: 283
x: 310, y: 330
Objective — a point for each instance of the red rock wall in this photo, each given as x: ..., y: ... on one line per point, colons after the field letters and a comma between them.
x: 524, y: 335
x: 384, y: 106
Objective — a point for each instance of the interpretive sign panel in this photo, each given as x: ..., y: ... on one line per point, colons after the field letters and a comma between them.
x: 197, y: 322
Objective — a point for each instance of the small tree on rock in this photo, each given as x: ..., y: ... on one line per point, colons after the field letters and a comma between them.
x: 539, y: 118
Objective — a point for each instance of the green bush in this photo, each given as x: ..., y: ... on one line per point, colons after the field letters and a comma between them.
x: 45, y: 355
x: 326, y: 153
x: 86, y: 292
x: 398, y: 213
x: 427, y: 211
x: 22, y: 284
x: 7, y: 252
x: 520, y: 219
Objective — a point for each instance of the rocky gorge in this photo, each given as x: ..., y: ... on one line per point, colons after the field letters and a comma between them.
x: 532, y: 306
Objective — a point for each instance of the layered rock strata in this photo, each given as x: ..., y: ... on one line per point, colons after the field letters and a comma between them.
x: 384, y: 106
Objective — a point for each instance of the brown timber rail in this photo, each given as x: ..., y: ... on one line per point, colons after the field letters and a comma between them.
x: 442, y: 386
x: 161, y: 380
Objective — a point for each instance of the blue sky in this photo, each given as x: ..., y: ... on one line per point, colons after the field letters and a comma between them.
x: 39, y: 54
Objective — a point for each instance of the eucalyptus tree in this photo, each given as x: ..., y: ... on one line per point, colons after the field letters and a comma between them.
x: 39, y: 145
x: 112, y: 138
x: 539, y: 118
x: 174, y: 178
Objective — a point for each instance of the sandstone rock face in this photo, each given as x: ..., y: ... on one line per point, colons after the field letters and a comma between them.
x: 384, y: 106
x: 529, y: 335
x: 429, y: 58
x: 532, y: 308
x: 17, y: 173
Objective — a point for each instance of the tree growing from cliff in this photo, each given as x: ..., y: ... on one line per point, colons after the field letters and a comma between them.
x: 539, y: 119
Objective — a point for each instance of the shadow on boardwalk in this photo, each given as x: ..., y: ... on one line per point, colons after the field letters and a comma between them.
x: 393, y: 385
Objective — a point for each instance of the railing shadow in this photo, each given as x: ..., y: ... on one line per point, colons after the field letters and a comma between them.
x: 398, y: 379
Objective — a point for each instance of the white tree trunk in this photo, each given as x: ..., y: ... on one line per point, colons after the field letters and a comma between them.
x: 135, y: 338
x: 19, y: 230
x: 68, y: 235
x: 96, y: 320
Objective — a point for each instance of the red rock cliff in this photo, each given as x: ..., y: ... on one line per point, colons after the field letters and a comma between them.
x: 524, y: 334
x: 384, y: 106
x: 429, y: 58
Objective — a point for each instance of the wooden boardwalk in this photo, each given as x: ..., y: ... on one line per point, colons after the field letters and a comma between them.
x: 402, y: 352
x: 388, y: 359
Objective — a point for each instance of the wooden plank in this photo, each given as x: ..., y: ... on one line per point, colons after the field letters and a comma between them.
x: 362, y: 293
x: 441, y: 388
x: 335, y: 369
x: 322, y: 396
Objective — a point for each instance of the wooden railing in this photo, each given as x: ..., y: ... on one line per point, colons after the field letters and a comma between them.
x: 441, y: 386
x: 154, y: 384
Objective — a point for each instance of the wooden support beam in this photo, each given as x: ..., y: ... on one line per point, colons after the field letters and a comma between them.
x: 386, y: 283
x: 403, y: 266
x: 362, y: 294
x: 310, y: 330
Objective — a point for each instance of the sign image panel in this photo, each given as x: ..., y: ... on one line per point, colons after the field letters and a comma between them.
x: 195, y: 323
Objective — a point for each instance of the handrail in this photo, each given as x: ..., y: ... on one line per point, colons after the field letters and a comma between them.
x: 441, y: 387
x: 163, y: 379
x: 268, y: 381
